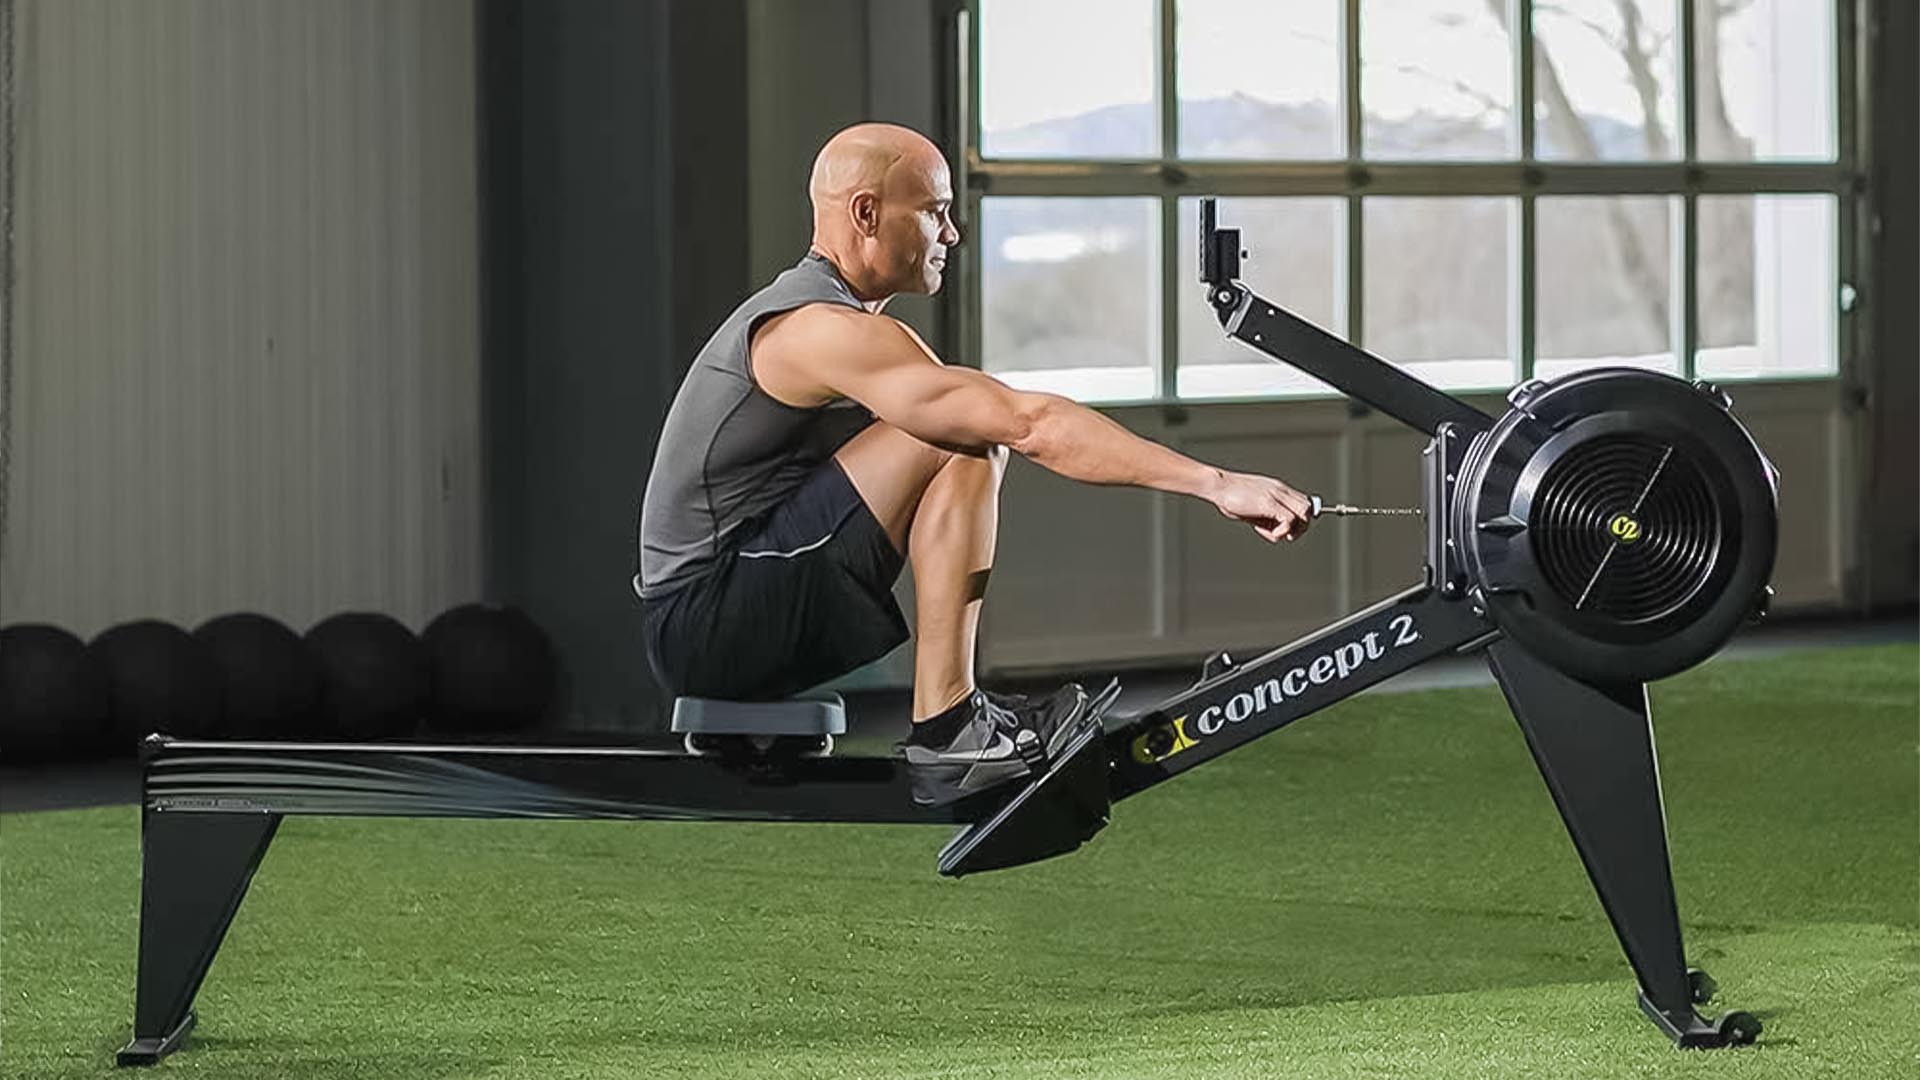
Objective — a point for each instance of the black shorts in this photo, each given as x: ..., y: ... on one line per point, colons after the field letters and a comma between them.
x: 807, y: 596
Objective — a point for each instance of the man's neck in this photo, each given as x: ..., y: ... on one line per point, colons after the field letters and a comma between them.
x: 868, y: 298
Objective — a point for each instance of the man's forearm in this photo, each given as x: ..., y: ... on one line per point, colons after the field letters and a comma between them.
x: 1080, y: 444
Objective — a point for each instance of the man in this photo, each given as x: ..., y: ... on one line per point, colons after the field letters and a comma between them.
x: 817, y: 444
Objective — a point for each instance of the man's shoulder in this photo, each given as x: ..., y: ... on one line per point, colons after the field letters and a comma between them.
x: 828, y: 313
x: 810, y: 355
x: 821, y: 325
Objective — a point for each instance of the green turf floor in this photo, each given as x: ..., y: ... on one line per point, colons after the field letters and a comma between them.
x: 1381, y: 891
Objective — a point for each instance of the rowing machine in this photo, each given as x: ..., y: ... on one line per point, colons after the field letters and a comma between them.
x: 1610, y: 528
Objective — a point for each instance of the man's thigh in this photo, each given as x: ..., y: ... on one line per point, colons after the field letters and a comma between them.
x: 808, y: 597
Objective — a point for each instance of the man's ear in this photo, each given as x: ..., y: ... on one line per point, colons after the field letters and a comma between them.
x: 865, y: 207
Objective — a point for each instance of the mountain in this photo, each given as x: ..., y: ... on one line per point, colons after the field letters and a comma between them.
x: 1240, y: 127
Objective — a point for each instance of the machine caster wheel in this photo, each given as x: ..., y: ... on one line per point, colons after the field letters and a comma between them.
x: 1700, y: 986
x: 1738, y: 1028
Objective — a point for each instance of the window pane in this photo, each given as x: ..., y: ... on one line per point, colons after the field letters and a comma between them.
x: 1764, y: 69
x: 1070, y: 295
x: 1604, y: 284
x: 1768, y: 288
x: 1294, y: 261
x: 1604, y: 76
x: 1437, y: 288
x: 1259, y: 79
x: 1068, y: 78
x: 1436, y: 79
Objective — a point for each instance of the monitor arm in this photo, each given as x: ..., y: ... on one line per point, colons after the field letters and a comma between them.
x: 1286, y: 337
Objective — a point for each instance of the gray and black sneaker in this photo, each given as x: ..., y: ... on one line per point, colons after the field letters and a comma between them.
x: 991, y: 748
x: 1053, y: 717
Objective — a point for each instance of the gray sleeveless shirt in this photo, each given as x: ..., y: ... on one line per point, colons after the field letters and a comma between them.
x: 730, y: 452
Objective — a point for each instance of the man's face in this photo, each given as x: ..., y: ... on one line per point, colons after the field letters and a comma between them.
x: 916, y: 225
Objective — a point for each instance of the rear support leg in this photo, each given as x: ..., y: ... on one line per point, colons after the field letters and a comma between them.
x: 195, y: 868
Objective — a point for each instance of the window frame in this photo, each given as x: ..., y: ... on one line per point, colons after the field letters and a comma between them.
x: 1354, y: 178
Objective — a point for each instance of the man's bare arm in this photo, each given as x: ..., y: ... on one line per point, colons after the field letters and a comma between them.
x: 885, y: 366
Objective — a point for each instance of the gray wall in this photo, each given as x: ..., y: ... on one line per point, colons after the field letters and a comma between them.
x: 578, y: 342
x: 243, y: 344
x: 1892, y: 543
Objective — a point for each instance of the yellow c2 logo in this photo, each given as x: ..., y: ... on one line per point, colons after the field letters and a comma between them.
x: 1161, y: 743
x: 1624, y: 528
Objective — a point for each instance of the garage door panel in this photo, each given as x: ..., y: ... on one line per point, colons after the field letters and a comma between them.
x: 1232, y: 583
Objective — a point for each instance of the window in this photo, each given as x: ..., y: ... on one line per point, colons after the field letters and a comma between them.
x: 1481, y: 191
x: 1438, y: 285
x: 1604, y: 283
x: 1604, y: 88
x: 1028, y: 109
x: 1766, y: 273
x: 1041, y: 260
x: 1259, y: 81
x: 1434, y: 81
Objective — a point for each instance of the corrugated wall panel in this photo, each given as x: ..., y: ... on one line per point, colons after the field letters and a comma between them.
x: 246, y: 335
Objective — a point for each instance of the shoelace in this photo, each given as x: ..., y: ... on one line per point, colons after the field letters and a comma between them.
x: 1002, y: 717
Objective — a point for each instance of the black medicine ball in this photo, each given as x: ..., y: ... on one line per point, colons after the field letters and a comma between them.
x: 53, y: 703
x: 378, y: 683
x: 159, y: 679
x: 270, y: 683
x: 493, y: 669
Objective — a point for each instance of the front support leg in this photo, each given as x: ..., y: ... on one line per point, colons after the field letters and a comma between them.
x: 1594, y: 746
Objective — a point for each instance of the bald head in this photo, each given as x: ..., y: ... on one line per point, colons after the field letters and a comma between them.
x: 881, y: 198
x: 862, y: 158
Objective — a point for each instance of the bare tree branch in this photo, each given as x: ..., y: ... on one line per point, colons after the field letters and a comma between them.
x: 1486, y: 101
x: 1600, y: 30
x: 1570, y: 133
x: 1713, y: 128
x: 1646, y: 86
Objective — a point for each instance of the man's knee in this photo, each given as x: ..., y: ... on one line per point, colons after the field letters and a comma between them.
x: 985, y: 469
x: 968, y: 488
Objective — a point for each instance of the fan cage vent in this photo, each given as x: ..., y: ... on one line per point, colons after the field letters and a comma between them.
x: 1625, y: 528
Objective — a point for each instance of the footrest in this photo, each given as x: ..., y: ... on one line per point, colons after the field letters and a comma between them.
x: 822, y: 715
x: 1052, y: 815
